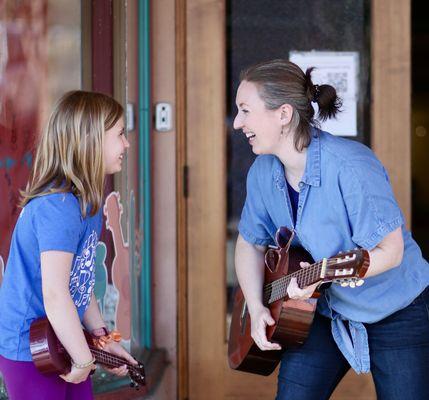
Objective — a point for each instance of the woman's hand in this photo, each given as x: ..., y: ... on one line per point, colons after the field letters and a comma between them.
x: 293, y: 290
x: 260, y: 318
x: 116, y: 349
x: 78, y: 375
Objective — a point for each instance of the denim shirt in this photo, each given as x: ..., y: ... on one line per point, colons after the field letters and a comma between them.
x: 345, y: 201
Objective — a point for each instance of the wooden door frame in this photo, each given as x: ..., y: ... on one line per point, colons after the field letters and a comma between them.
x: 201, y: 168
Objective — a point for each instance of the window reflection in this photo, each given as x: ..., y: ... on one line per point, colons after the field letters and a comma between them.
x: 40, y: 59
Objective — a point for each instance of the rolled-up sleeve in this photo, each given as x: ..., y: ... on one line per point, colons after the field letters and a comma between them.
x: 255, y: 224
x: 371, y: 205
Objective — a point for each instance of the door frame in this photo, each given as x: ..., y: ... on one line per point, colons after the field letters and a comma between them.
x: 201, y: 174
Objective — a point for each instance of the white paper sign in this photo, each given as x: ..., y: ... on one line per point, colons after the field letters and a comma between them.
x: 340, y: 70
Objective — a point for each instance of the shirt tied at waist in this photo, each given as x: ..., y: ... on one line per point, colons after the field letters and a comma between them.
x: 352, y: 342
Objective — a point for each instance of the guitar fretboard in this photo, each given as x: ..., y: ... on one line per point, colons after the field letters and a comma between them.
x: 278, y: 289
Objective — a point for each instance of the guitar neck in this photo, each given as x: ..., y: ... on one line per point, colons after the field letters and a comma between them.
x: 278, y: 289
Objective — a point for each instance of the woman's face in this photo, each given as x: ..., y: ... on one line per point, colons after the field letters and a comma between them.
x: 115, y: 145
x: 261, y: 126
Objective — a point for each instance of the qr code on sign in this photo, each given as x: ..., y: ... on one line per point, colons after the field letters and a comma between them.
x: 338, y: 80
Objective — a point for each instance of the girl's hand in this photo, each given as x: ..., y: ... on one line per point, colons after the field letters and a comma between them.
x: 116, y: 349
x: 78, y: 375
x: 293, y: 290
x: 260, y: 318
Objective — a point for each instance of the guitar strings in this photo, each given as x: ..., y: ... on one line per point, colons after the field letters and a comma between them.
x: 276, y: 290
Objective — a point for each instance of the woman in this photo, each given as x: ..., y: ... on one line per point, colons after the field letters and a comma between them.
x: 336, y: 196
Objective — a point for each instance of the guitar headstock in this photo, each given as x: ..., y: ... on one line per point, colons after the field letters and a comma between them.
x: 346, y: 268
x: 137, y: 375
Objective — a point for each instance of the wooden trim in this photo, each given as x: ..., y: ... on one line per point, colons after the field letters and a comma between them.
x: 120, y: 83
x: 182, y: 273
x: 391, y: 94
x: 206, y: 212
x: 86, y: 18
x: 102, y: 47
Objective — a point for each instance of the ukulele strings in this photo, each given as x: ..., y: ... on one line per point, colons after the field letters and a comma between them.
x: 109, y: 359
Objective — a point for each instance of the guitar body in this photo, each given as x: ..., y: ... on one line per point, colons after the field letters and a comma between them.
x: 293, y: 319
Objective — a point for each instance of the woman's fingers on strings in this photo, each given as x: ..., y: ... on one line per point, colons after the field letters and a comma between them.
x: 296, y: 293
x: 304, y: 264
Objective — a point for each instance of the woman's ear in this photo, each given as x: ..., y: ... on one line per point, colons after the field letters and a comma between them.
x: 286, y: 112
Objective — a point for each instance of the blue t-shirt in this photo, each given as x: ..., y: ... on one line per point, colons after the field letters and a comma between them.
x: 345, y: 201
x: 49, y: 222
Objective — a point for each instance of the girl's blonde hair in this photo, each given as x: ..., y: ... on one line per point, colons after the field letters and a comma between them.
x: 69, y: 155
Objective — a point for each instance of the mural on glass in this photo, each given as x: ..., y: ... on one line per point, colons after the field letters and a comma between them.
x: 39, y: 60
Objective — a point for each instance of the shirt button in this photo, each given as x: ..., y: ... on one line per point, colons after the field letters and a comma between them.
x: 301, y: 184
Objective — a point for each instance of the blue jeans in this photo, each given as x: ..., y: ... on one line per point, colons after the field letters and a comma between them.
x: 399, y: 352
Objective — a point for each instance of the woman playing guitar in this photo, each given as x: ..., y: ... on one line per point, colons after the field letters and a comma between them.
x: 335, y: 195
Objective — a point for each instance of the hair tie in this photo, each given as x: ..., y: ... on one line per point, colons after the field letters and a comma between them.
x: 316, y: 93
x: 101, y: 341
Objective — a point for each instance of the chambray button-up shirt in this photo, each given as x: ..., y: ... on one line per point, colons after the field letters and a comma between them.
x: 345, y: 201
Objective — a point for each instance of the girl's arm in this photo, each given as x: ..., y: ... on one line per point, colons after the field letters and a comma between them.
x: 387, y: 254
x: 92, y: 319
x: 249, y: 265
x: 59, y: 306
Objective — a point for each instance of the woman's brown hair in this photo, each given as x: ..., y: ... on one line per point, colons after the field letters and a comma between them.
x: 283, y: 82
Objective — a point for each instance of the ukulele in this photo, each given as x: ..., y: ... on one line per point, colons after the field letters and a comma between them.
x: 293, y: 318
x: 49, y: 355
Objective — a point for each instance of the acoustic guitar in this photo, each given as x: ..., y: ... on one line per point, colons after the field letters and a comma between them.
x: 49, y: 355
x: 293, y: 318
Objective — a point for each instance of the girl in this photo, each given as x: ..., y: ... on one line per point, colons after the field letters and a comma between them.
x: 50, y: 270
x: 336, y: 195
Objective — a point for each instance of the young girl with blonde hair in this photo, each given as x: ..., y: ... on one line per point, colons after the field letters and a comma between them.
x: 51, y: 266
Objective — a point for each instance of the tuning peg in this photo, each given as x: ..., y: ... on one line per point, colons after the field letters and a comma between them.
x: 344, y: 284
x: 360, y: 282
x: 352, y: 284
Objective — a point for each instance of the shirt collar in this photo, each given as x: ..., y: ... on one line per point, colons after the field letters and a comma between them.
x: 312, y: 168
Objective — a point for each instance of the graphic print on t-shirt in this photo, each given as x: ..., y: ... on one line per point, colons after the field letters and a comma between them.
x: 82, y: 276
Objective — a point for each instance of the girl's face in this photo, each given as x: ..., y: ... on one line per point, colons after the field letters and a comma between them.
x: 115, y: 145
x: 261, y: 126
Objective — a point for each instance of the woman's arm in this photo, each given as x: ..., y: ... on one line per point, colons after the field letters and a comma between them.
x: 249, y: 266
x: 387, y: 254
x: 61, y: 311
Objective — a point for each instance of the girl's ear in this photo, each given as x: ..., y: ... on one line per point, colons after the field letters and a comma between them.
x: 286, y: 112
